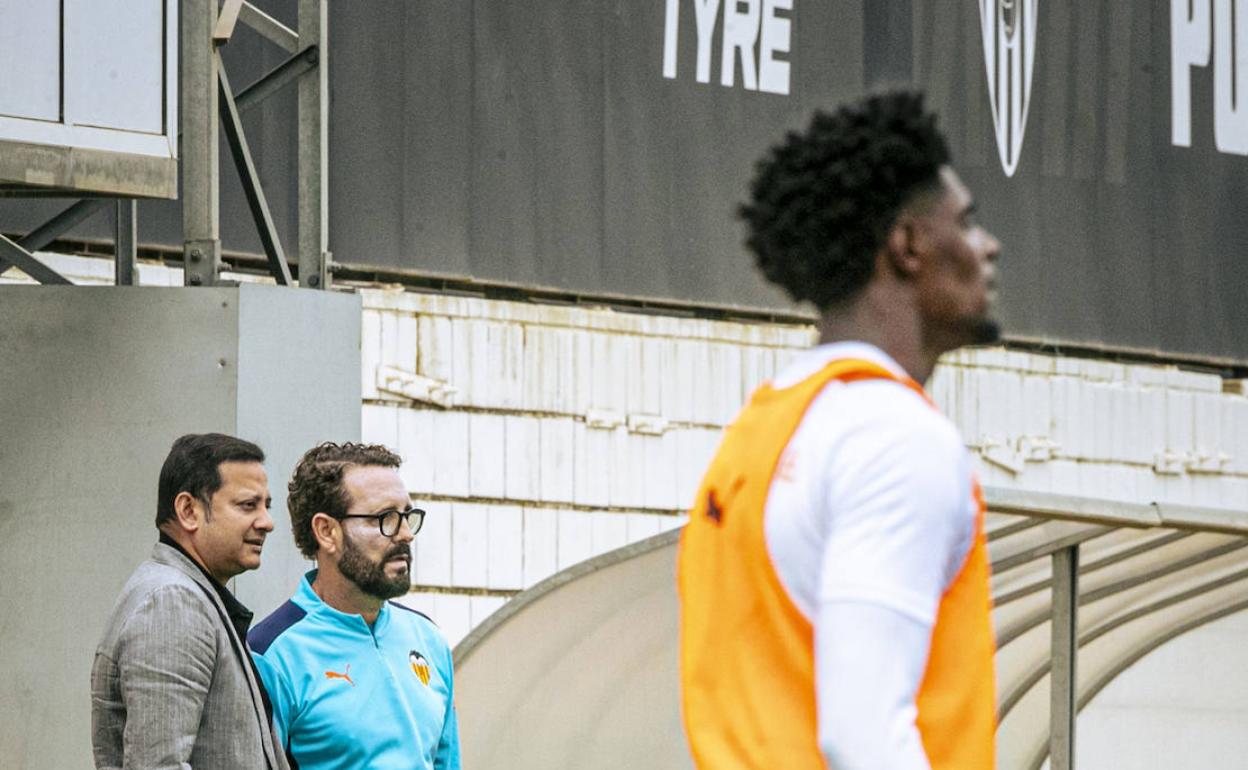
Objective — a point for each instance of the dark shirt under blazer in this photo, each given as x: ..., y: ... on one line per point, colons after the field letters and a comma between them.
x: 172, y: 685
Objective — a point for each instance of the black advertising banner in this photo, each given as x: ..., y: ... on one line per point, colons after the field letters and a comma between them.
x: 595, y: 147
x: 1117, y: 175
x: 601, y: 147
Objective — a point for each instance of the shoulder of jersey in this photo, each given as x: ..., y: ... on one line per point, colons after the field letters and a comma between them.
x: 888, y: 402
x: 262, y: 636
x: 418, y: 613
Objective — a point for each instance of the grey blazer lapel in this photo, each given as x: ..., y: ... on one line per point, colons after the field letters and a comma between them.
x: 172, y: 557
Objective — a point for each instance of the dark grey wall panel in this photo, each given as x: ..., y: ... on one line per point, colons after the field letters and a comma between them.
x: 1112, y: 234
x: 537, y: 128
x: 541, y: 144
x: 680, y: 153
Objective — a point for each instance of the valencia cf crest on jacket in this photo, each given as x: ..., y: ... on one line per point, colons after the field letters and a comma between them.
x: 420, y: 666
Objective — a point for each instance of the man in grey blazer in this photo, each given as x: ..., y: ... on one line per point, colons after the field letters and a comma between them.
x: 173, y: 684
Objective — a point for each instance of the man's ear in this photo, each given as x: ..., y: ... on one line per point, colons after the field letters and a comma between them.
x: 327, y: 532
x: 189, y: 511
x: 901, y: 246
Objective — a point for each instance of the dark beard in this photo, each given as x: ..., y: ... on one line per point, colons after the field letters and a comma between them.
x: 984, y: 331
x: 370, y: 577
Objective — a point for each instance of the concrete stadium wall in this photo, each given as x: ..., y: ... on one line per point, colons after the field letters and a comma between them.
x: 543, y: 435
x: 95, y: 384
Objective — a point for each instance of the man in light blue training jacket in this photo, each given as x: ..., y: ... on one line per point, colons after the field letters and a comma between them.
x: 356, y: 680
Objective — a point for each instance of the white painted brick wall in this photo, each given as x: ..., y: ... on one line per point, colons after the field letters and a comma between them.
x: 540, y: 545
x: 522, y: 458
x: 608, y: 532
x: 449, y: 457
x: 574, y: 537
x: 432, y: 552
x: 572, y: 430
x: 416, y: 445
x: 380, y: 422
x: 481, y: 607
x: 470, y: 535
x: 505, y: 551
x: 488, y: 456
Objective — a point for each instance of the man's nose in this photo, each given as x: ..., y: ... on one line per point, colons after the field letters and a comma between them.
x: 993, y: 249
x: 265, y: 521
x: 405, y: 534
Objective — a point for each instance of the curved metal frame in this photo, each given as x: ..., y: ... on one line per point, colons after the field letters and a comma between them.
x: 1139, y: 652
x: 1019, y: 691
x: 1019, y: 545
x: 1090, y: 567
x: 1039, y: 617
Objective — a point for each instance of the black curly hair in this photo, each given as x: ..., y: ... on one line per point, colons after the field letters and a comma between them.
x: 822, y: 201
x: 317, y: 484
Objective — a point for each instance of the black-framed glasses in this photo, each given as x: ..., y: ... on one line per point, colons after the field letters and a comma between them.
x: 390, y: 521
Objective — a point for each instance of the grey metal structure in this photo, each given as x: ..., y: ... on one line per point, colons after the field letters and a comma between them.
x: 1064, y: 652
x: 99, y: 381
x: 206, y: 94
x: 580, y: 670
x: 20, y: 252
x: 94, y: 115
x: 205, y: 99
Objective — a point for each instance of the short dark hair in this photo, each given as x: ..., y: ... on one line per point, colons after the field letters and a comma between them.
x: 193, y: 466
x: 822, y: 201
x: 316, y: 486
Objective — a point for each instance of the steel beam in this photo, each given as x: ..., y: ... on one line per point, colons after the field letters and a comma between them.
x: 1090, y: 567
x: 1139, y: 578
x: 125, y: 254
x: 1014, y: 528
x: 12, y: 254
x: 201, y: 213
x: 226, y: 19
x: 236, y: 138
x: 54, y: 228
x: 1025, y: 624
x: 313, y: 132
x: 1064, y: 651
x: 60, y: 224
x: 269, y: 27
x: 1162, y: 604
x: 1006, y: 563
x: 276, y: 79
